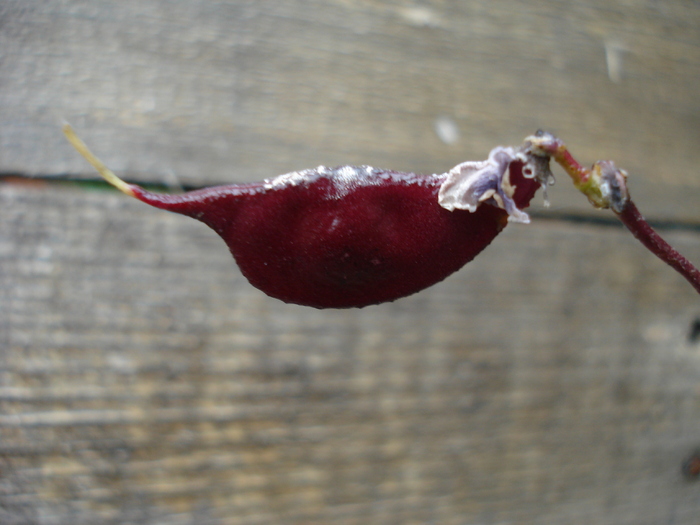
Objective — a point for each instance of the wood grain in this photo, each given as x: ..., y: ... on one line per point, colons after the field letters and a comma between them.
x: 142, y: 380
x: 214, y: 92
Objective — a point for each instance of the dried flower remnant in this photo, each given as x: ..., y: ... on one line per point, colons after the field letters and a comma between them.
x: 470, y: 184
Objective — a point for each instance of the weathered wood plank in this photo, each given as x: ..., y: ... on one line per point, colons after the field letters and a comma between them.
x: 232, y: 91
x: 143, y: 380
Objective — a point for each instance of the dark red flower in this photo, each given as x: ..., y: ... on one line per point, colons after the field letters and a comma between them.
x: 355, y: 236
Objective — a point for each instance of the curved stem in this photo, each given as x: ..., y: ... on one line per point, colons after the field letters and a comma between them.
x: 641, y: 229
x: 606, y: 187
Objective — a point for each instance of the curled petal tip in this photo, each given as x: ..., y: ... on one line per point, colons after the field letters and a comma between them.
x: 471, y: 184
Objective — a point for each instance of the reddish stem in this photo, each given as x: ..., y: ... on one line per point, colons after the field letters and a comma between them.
x: 578, y: 173
x: 605, y: 186
x: 640, y: 228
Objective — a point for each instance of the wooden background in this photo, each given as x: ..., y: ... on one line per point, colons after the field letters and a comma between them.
x: 555, y: 379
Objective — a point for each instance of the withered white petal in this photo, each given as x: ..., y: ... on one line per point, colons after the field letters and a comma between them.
x: 469, y: 184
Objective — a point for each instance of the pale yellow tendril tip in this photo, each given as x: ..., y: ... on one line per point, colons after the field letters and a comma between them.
x: 103, y: 170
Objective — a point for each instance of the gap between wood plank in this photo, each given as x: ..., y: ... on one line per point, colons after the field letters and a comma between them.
x: 604, y: 219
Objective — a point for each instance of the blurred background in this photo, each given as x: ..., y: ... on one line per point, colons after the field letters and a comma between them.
x: 554, y: 379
